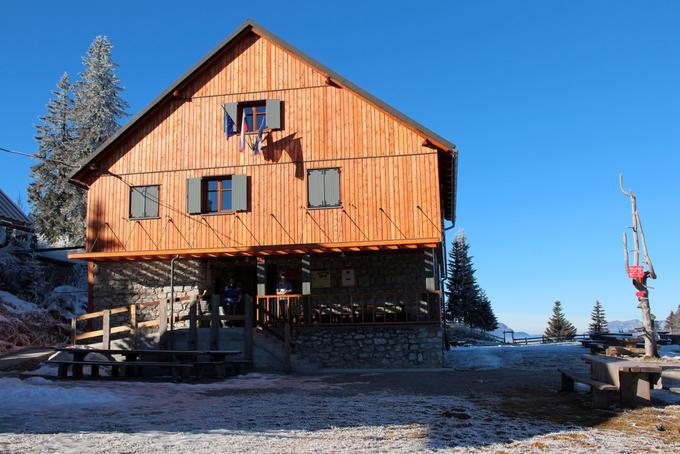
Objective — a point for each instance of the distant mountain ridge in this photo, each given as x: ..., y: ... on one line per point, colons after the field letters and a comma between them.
x: 623, y: 326
x: 498, y: 332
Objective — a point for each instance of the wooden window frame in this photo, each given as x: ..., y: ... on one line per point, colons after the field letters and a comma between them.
x: 326, y: 207
x: 158, y: 203
x: 220, y: 191
x: 254, y: 105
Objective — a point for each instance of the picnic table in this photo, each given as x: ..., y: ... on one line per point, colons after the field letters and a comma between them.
x: 632, y: 379
x: 635, y: 379
x: 179, y: 362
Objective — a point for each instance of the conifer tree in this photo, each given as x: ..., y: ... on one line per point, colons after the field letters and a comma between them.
x: 467, y: 303
x: 484, y: 316
x: 72, y: 129
x: 559, y: 328
x: 49, y: 192
x: 598, y: 323
x: 98, y: 102
x: 462, y: 289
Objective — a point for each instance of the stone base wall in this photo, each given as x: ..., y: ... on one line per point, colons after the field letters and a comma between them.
x: 119, y: 284
x: 379, y: 346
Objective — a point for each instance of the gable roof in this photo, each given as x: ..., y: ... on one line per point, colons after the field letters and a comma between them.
x: 250, y: 25
x: 12, y: 216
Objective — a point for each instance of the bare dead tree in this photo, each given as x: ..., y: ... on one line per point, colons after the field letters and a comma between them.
x: 640, y: 283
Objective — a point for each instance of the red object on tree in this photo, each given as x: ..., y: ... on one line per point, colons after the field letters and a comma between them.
x: 641, y: 294
x: 636, y: 271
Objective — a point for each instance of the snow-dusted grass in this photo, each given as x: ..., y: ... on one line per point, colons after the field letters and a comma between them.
x: 346, y: 413
x: 16, y: 305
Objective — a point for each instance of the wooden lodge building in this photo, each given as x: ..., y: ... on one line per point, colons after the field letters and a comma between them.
x: 336, y: 189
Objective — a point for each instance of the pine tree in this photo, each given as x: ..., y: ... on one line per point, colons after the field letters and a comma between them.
x: 98, y: 106
x: 49, y: 191
x: 599, y: 322
x: 559, y: 328
x: 484, y: 316
x: 462, y: 289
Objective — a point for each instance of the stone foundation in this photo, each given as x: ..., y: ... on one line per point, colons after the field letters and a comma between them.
x: 119, y: 284
x: 378, y: 346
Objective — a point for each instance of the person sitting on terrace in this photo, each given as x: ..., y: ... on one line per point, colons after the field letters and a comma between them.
x: 232, y: 296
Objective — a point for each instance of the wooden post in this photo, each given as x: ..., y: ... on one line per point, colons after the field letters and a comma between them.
x: 193, y: 330
x: 133, y: 325
x: 90, y: 292
x: 74, y: 331
x: 248, y: 328
x: 106, y: 329
x: 215, y: 322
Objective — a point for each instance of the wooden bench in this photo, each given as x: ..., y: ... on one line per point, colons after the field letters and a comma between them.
x: 131, y: 368
x: 599, y: 389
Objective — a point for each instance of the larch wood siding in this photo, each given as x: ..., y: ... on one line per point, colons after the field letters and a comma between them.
x: 388, y: 179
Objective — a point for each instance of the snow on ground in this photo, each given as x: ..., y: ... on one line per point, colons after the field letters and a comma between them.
x: 359, y: 412
x: 541, y: 356
x: 15, y: 304
x: 68, y: 300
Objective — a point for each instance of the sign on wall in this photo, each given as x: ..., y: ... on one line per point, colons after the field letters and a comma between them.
x: 321, y: 279
x: 348, y: 278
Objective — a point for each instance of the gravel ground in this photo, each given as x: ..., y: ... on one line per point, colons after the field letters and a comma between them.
x: 511, y: 409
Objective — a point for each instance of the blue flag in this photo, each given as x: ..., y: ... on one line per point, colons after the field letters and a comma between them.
x: 229, y: 125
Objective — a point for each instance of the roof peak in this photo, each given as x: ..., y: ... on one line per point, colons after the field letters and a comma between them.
x: 428, y: 135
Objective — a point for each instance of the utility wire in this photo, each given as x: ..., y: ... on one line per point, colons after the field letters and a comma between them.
x: 6, y: 150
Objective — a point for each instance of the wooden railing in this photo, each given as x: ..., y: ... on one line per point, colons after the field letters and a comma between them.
x: 130, y: 326
x: 349, y: 308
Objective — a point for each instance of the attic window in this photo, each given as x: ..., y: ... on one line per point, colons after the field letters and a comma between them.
x: 255, y: 116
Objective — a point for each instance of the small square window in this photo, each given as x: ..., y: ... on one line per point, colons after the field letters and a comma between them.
x: 323, y: 188
x: 144, y: 202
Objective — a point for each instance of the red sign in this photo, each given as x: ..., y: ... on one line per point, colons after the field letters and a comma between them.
x: 636, y: 272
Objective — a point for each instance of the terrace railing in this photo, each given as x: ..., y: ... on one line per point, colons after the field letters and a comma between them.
x: 349, y: 308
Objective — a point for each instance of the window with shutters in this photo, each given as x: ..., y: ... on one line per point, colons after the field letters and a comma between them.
x: 323, y: 188
x: 217, y: 195
x: 144, y: 202
x: 254, y: 115
x: 266, y: 113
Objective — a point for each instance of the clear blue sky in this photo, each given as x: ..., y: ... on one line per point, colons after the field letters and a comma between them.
x: 547, y: 100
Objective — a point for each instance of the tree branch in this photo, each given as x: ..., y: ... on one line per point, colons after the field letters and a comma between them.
x: 647, y: 260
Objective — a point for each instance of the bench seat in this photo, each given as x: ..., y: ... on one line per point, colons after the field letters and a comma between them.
x: 599, y: 389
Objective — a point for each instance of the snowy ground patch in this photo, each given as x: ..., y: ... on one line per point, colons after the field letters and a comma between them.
x: 16, y: 394
x: 542, y: 356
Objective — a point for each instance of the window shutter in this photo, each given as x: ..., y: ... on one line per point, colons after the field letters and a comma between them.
x: 239, y: 192
x: 315, y: 188
x: 332, y: 187
x: 194, y: 195
x: 151, y: 201
x: 231, y: 109
x: 137, y: 202
x: 273, y: 107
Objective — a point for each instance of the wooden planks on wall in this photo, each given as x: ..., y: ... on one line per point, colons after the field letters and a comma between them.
x: 389, y: 180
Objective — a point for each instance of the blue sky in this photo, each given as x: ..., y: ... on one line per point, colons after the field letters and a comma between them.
x: 547, y: 100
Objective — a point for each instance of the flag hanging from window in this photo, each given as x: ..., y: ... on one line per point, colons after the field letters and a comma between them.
x: 229, y: 125
x: 244, y: 129
x: 258, y: 141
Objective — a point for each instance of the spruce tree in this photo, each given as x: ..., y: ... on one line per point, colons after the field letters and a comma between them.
x: 98, y: 106
x: 484, y: 317
x: 467, y: 303
x: 598, y: 323
x: 462, y: 290
x: 559, y: 328
x: 49, y: 191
